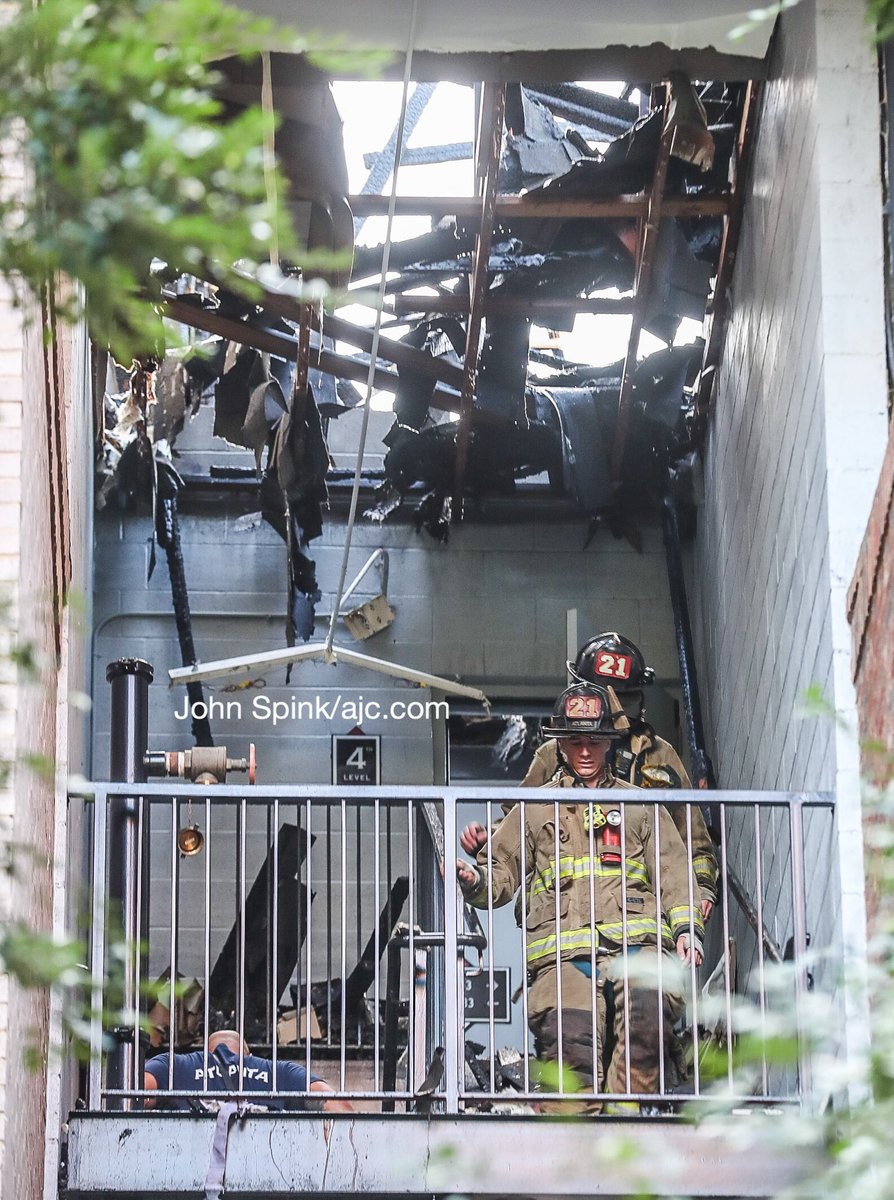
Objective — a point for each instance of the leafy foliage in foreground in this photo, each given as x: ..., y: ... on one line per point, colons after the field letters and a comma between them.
x: 126, y: 155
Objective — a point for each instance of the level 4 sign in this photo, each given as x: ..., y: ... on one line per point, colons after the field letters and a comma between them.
x: 477, y: 996
x: 356, y: 761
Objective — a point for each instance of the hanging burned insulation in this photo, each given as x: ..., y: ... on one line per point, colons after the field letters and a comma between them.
x: 259, y: 401
x: 144, y: 423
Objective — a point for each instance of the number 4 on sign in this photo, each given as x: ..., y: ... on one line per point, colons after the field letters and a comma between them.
x: 356, y: 759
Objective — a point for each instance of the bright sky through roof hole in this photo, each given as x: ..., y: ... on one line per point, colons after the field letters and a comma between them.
x: 370, y: 112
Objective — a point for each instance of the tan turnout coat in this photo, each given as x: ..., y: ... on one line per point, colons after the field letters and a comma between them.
x: 531, y: 851
x: 636, y: 751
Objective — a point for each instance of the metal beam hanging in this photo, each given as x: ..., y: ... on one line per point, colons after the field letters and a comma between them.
x: 493, y: 104
x: 648, y: 240
x: 732, y: 225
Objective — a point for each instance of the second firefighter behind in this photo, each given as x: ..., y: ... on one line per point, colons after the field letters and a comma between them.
x: 638, y: 755
x: 606, y: 898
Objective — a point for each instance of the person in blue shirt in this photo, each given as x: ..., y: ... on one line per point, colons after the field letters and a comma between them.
x: 221, y: 1068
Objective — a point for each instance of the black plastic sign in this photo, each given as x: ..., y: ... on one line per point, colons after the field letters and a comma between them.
x: 356, y: 761
x: 476, y: 996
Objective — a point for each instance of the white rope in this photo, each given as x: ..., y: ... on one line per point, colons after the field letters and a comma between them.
x: 270, y: 153
x: 374, y: 349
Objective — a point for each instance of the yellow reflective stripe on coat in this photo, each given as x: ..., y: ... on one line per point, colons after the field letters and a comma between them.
x: 679, y: 914
x: 704, y: 866
x: 581, y: 868
x: 582, y: 939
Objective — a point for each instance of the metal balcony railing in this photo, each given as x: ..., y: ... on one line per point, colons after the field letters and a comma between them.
x: 327, y: 927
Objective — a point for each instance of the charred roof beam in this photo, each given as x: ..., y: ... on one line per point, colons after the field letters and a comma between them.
x: 493, y: 106
x: 647, y: 242
x: 268, y: 341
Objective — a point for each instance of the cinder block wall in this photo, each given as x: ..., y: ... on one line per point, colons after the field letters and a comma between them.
x: 488, y: 609
x: 794, y: 450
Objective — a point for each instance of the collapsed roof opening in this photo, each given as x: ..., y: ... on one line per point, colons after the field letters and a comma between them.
x: 552, y: 321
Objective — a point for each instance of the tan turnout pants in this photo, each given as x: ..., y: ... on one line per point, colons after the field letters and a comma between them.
x: 642, y: 1056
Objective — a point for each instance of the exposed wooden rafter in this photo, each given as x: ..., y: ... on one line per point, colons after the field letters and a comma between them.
x: 268, y: 341
x: 362, y: 337
x: 645, y: 258
x: 493, y: 103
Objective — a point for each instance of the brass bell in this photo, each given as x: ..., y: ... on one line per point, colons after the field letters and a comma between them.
x: 190, y: 841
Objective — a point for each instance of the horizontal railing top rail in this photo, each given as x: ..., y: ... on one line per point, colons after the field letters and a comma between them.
x: 401, y: 793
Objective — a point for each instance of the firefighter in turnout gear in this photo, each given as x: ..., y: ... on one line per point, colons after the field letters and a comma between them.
x: 639, y: 757
x: 587, y: 870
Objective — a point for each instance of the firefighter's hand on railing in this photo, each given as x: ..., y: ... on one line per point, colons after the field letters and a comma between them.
x: 468, y: 875
x: 334, y: 1105
x: 473, y: 837
x: 683, y: 950
x: 707, y: 907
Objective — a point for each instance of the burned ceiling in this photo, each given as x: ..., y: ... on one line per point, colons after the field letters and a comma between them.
x: 588, y: 203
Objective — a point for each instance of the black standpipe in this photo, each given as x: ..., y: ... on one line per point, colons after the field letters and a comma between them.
x: 128, y: 841
x: 702, y: 768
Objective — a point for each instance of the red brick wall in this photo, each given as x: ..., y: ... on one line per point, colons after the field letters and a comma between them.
x: 871, y: 613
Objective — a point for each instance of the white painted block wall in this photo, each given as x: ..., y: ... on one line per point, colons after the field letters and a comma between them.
x: 795, y: 446
x: 488, y: 609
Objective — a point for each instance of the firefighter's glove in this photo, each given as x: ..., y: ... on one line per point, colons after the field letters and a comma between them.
x: 471, y: 878
x: 473, y: 837
x: 683, y: 951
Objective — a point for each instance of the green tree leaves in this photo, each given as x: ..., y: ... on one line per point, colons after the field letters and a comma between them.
x: 128, y: 157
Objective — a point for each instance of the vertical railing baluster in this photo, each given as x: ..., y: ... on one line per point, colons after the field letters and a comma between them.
x: 274, y: 942
x: 727, y: 973
x: 557, y: 891
x: 490, y: 950
x: 172, y: 979
x: 625, y: 948
x: 342, y: 1074
x: 308, y: 939
x: 240, y: 1001
x: 594, y: 970
x: 377, y: 867
x: 142, y: 875
x: 525, y: 897
x: 206, y: 1016
x: 799, y: 933
x: 659, y: 919
x: 411, y: 970
x: 97, y: 949
x: 759, y: 888
x: 328, y: 922
x: 693, y: 977
x: 453, y: 1060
